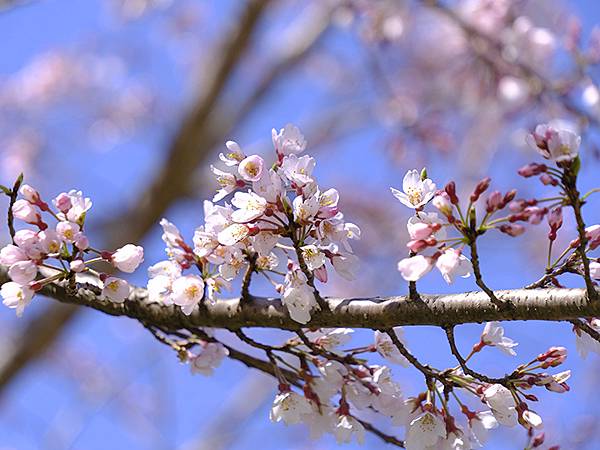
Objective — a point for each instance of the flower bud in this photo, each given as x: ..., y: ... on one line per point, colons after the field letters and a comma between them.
x: 29, y: 194
x: 451, y: 191
x: 481, y: 187
x: 532, y: 169
x: 493, y: 202
x: 512, y: 230
x: 548, y: 180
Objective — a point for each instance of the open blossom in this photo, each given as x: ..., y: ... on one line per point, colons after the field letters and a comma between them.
x: 251, y: 168
x: 502, y: 404
x: 116, y: 289
x: 290, y: 408
x: 233, y: 234
x: 79, y: 206
x: 556, y: 144
x: 298, y: 170
x: 16, y: 296
x: 329, y: 339
x: 417, y: 192
x: 234, y: 154
x: 452, y: 263
x: 251, y: 206
x: 208, y: 359
x: 346, y: 427
x: 298, y: 296
x: 493, y: 335
x: 227, y: 183
x: 11, y: 254
x: 305, y: 209
x: 188, y: 291
x: 23, y: 272
x: 415, y: 267
x: 128, y: 258
x: 426, y: 430
x: 313, y: 257
x: 288, y: 140
x: 386, y: 348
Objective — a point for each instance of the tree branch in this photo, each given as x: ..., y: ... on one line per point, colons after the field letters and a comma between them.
x: 374, y: 313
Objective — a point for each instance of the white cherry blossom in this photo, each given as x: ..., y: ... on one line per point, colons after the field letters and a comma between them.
x: 251, y: 206
x: 415, y: 267
x: 188, y: 291
x: 452, y: 263
x: 128, y: 258
x: 493, y: 335
x: 251, y: 168
x: 386, y: 347
x: 416, y: 192
x: 16, y: 296
x: 116, y: 289
x: 208, y: 359
x: 234, y: 154
x: 346, y: 427
x: 426, y: 430
x: 290, y: 408
x: 289, y: 140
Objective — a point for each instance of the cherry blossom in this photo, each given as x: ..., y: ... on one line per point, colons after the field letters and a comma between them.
x: 559, y: 145
x: 289, y: 140
x: 234, y: 154
x: 208, y: 359
x: 452, y: 263
x: 188, y: 290
x: 417, y: 192
x: 346, y: 427
x: 493, y: 335
x: 290, y: 408
x: 251, y: 168
x: 16, y: 296
x: 386, y: 348
x: 116, y: 289
x: 415, y: 267
x: 426, y: 430
x: 128, y: 258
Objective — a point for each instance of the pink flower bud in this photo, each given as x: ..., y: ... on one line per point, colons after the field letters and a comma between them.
x: 81, y: 241
x: 442, y: 203
x: 481, y: 187
x: 493, y: 202
x: 532, y: 169
x: 548, y: 180
x: 29, y: 194
x: 62, y: 202
x: 538, y: 440
x: 25, y: 211
x: 512, y: 230
x: 451, y: 191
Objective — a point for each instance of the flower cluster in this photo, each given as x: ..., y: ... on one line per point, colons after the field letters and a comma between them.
x: 278, y: 216
x: 339, y: 385
x: 430, y: 244
x: 58, y: 252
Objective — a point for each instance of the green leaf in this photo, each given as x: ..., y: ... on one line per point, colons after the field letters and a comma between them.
x: 424, y: 173
x: 6, y: 190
